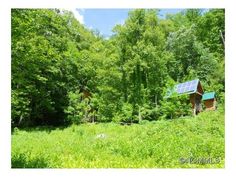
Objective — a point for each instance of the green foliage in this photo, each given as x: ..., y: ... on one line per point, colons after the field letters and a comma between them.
x: 125, y: 115
x: 156, y: 144
x: 211, y: 30
x: 174, y: 105
x: 55, y: 59
x: 189, y: 58
x: 75, y: 108
x: 20, y: 108
x: 141, y: 43
x: 63, y: 73
x: 51, y: 47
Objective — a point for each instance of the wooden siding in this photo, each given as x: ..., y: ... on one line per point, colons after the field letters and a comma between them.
x: 195, y: 100
x: 210, y: 104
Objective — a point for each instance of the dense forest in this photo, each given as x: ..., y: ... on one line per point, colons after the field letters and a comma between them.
x: 64, y: 73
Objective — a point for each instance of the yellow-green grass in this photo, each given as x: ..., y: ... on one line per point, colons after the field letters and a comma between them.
x: 194, y: 142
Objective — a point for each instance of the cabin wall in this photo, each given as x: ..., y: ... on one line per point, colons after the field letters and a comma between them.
x: 195, y: 100
x: 199, y: 89
x: 210, y: 104
x: 192, y: 100
x: 198, y: 104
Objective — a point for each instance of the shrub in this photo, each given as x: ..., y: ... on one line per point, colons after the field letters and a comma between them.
x: 175, y: 106
x: 78, y: 109
x: 125, y: 115
x: 20, y: 108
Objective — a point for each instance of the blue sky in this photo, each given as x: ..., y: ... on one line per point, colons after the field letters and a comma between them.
x: 104, y: 20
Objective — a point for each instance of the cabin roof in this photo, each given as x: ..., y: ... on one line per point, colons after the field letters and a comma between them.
x: 208, y: 96
x: 188, y: 87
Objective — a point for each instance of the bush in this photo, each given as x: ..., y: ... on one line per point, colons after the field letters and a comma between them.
x: 20, y: 108
x: 125, y: 115
x: 105, y: 111
x: 175, y: 106
x: 78, y: 109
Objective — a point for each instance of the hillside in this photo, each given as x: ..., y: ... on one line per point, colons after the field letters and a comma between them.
x: 185, y: 142
x: 73, y: 75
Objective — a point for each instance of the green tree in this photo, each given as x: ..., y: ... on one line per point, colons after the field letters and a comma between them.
x: 50, y: 57
x: 64, y: 73
x: 188, y: 58
x: 141, y: 42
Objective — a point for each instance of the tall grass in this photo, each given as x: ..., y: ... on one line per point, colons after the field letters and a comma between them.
x: 159, y: 144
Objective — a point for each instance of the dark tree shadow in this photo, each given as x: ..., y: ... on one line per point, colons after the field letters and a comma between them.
x: 47, y: 129
x: 20, y: 161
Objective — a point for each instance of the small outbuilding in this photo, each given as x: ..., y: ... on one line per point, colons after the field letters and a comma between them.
x: 195, y: 91
x: 209, y: 100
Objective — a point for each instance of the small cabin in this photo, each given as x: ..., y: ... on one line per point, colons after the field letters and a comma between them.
x: 209, y: 100
x: 195, y: 91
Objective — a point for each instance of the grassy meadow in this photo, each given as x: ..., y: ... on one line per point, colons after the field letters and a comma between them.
x: 194, y: 142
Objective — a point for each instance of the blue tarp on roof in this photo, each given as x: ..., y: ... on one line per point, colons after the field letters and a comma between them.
x: 208, y: 96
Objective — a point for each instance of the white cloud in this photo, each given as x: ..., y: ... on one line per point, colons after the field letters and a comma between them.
x: 78, y: 14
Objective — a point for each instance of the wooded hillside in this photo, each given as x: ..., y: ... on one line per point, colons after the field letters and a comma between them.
x: 64, y: 73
